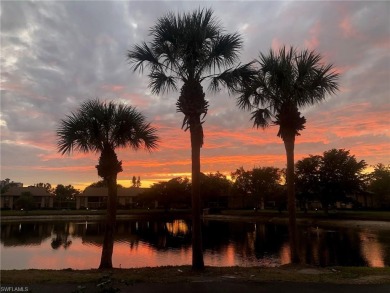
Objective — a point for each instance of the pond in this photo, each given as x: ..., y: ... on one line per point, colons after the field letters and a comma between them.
x: 78, y: 245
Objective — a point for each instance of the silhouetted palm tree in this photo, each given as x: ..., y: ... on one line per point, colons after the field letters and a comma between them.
x: 101, y: 127
x: 286, y: 81
x: 188, y: 49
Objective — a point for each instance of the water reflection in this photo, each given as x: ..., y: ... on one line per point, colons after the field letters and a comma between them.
x: 156, y: 243
x: 372, y: 249
x: 61, y: 235
x: 177, y: 227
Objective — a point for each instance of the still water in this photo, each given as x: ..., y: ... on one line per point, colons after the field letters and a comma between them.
x: 78, y: 245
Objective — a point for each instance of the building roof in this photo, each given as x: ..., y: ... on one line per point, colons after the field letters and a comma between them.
x: 103, y: 191
x: 35, y: 191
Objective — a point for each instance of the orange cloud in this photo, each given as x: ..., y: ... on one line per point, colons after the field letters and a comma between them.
x: 276, y: 44
x: 12, y: 87
x: 54, y: 155
x: 135, y: 99
x: 347, y: 28
x: 314, y: 32
x: 72, y: 169
x: 243, y: 136
x: 351, y: 121
x: 115, y: 88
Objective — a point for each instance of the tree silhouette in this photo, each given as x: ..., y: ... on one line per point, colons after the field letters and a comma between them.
x: 380, y: 184
x: 285, y: 82
x: 102, y: 183
x: 330, y: 177
x: 188, y: 49
x: 46, y: 186
x: 102, y: 127
x: 65, y: 194
x: 260, y: 183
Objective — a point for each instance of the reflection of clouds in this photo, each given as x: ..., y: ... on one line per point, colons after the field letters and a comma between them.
x: 226, y: 257
x: 78, y: 256
x: 372, y: 250
x: 156, y: 243
x: 285, y: 255
x: 251, y: 239
x: 177, y: 227
x: 145, y: 255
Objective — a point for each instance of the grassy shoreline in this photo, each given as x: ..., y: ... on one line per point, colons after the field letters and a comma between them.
x: 310, y: 218
x: 183, y: 274
x: 335, y: 214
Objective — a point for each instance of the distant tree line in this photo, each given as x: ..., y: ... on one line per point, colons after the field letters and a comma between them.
x: 336, y: 176
x: 322, y: 181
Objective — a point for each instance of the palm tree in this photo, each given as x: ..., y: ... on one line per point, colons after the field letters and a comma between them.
x: 285, y: 82
x: 189, y: 49
x: 101, y: 127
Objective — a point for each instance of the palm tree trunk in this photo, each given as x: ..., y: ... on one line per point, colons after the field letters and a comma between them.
x: 108, y: 242
x: 325, y: 205
x: 108, y: 169
x: 196, y: 142
x: 289, y: 146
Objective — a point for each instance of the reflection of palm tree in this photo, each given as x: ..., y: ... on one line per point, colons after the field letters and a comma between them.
x: 189, y: 49
x: 58, y: 241
x: 284, y: 83
x: 61, y: 237
x: 103, y: 127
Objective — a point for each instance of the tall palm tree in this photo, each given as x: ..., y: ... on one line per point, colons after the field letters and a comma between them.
x: 189, y: 49
x: 101, y: 127
x: 285, y: 82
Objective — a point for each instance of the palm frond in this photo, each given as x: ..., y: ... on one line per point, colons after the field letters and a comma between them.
x: 74, y: 136
x: 100, y: 125
x: 314, y: 80
x: 261, y: 118
x: 188, y: 46
x: 244, y: 101
x: 147, y: 136
x: 288, y: 79
x: 222, y: 52
x: 129, y: 129
x: 233, y: 78
x: 160, y: 82
x: 140, y: 55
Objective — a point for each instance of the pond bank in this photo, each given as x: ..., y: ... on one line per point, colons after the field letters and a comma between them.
x: 358, y: 219
x: 323, y: 222
x: 93, y: 215
x: 184, y: 274
x: 225, y: 286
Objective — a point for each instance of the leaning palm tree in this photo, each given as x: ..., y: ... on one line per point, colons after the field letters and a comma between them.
x: 285, y: 82
x: 101, y: 127
x: 187, y: 50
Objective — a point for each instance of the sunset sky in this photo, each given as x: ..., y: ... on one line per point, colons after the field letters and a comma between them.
x: 55, y: 55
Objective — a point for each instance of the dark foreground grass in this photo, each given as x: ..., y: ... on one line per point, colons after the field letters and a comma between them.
x: 180, y: 274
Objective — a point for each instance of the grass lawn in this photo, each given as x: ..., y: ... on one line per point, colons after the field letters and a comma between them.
x: 178, y: 274
x: 87, y: 212
x: 261, y: 214
x: 334, y: 214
